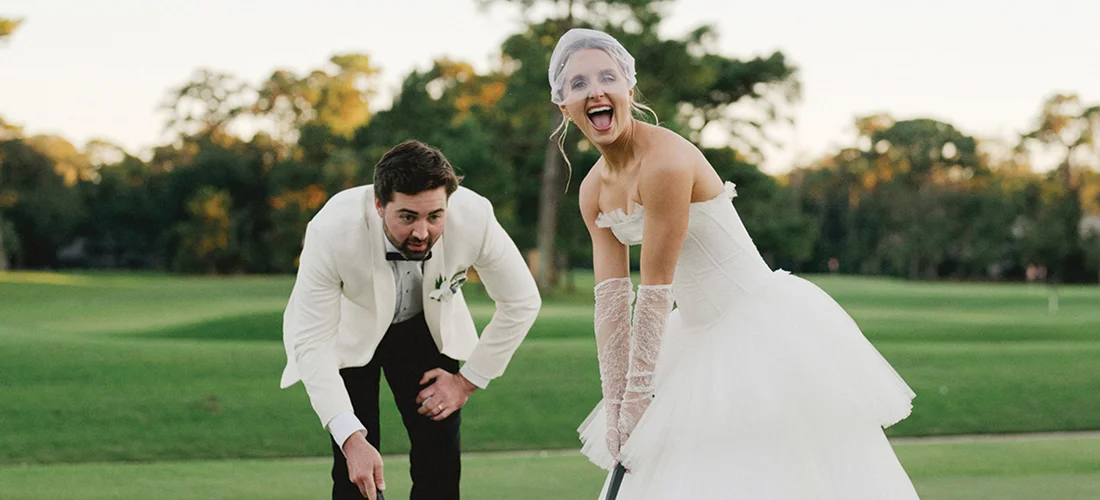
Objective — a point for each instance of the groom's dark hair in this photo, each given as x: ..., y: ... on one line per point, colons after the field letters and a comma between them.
x: 412, y: 167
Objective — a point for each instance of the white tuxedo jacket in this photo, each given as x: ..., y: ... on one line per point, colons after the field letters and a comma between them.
x: 344, y: 295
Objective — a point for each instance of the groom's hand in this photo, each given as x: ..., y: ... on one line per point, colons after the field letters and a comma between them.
x: 364, y: 466
x: 445, y: 395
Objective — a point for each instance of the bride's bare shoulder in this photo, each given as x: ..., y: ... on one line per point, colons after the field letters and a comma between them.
x: 671, y: 150
x: 669, y: 155
x: 590, y: 185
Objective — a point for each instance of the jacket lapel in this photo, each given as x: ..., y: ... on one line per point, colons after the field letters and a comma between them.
x: 434, y: 268
x: 385, y: 289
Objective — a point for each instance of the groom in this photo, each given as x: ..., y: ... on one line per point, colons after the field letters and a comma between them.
x: 379, y: 290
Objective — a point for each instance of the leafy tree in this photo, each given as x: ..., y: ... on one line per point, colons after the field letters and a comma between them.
x: 336, y: 98
x: 36, y: 205
x: 1089, y: 232
x: 206, y: 105
x: 205, y: 235
x: 7, y: 231
x: 1070, y: 128
x: 124, y: 215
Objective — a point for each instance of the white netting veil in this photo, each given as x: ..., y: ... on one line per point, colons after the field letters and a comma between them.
x: 595, y: 73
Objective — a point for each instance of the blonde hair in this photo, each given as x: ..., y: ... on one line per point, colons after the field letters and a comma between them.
x: 638, y: 109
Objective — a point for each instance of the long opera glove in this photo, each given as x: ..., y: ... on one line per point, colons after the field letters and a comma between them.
x: 612, y: 324
x: 650, y: 316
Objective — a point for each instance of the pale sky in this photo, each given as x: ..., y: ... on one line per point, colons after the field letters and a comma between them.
x: 99, y: 69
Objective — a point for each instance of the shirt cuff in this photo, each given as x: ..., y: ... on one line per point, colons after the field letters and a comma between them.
x: 473, y: 377
x: 342, y: 426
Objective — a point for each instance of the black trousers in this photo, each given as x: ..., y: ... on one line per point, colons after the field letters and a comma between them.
x: 405, y: 353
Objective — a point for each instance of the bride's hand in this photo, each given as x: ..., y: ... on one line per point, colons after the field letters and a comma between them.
x: 612, y: 439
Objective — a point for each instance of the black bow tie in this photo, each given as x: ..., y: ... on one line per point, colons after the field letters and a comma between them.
x: 398, y: 256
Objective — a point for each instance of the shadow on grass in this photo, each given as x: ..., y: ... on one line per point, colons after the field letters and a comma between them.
x: 266, y: 327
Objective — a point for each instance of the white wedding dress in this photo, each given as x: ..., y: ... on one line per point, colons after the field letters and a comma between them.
x: 765, y: 388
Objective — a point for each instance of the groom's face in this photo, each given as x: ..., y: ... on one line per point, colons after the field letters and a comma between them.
x: 414, y: 222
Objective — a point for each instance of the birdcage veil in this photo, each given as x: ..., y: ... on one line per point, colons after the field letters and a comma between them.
x: 583, y: 80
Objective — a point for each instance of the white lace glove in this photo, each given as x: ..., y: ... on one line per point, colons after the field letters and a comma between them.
x: 612, y: 325
x: 650, y: 314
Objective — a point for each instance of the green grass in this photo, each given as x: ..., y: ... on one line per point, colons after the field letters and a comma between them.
x: 102, y: 367
x: 1055, y: 469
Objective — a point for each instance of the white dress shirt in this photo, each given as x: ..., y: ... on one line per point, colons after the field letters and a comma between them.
x: 408, y: 275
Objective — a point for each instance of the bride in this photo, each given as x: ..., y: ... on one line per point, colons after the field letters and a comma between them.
x: 757, y: 385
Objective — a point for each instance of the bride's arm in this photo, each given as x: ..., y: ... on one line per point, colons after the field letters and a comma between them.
x: 665, y: 188
x: 610, y: 258
x: 611, y: 319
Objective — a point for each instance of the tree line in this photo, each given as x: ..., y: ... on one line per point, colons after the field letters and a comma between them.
x: 915, y: 198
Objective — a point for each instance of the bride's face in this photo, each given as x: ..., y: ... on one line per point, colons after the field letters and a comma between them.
x: 596, y: 95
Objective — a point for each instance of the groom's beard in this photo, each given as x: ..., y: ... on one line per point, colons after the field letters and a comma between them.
x: 403, y: 246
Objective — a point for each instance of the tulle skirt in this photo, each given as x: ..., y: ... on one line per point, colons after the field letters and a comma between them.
x: 782, y: 399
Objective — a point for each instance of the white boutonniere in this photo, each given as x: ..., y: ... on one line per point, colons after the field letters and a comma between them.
x: 445, y: 288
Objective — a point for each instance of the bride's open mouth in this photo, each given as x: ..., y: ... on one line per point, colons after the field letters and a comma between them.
x: 600, y: 116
